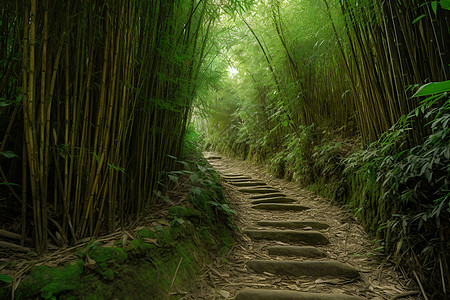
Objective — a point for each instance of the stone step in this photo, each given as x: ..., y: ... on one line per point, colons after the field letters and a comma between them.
x: 304, y: 268
x: 237, y: 177
x: 274, y: 200
x: 234, y: 175
x: 294, y: 224
x: 305, y: 237
x: 247, y: 184
x: 266, y: 196
x: 304, y: 251
x: 267, y: 294
x: 275, y: 206
x: 214, y: 157
x: 259, y: 190
x: 243, y: 180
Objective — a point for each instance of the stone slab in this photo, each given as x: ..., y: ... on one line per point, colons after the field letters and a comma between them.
x: 270, y: 195
x: 248, y: 183
x: 265, y: 190
x: 236, y: 177
x: 305, y: 237
x: 294, y: 224
x: 275, y: 206
x: 304, y: 251
x: 304, y: 268
x: 268, y: 294
x: 242, y: 180
x: 274, y: 200
x: 214, y: 157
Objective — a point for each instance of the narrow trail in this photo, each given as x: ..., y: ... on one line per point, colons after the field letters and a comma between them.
x: 292, y: 244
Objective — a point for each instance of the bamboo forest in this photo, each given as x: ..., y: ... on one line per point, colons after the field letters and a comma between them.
x: 225, y: 149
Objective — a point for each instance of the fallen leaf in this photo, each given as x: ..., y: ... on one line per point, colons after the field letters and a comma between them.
x: 151, y: 241
x: 224, y: 294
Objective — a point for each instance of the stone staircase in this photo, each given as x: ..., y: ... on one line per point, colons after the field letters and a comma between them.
x: 303, y: 233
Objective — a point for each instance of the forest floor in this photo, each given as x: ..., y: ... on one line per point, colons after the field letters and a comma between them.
x: 378, y: 277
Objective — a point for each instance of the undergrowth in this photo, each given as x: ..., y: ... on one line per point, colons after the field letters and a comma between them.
x: 158, y: 260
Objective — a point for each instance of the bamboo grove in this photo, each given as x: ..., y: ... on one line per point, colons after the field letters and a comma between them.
x: 323, y: 92
x: 96, y: 97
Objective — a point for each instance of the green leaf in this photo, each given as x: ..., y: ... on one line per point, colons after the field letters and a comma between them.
x: 445, y: 4
x: 173, y: 178
x: 9, y: 183
x: 19, y: 98
x: 434, y: 6
x: 433, y: 88
x: 418, y: 18
x: 166, y: 199
x: 202, y: 169
x: 5, y: 278
x: 8, y: 154
x: 95, y: 156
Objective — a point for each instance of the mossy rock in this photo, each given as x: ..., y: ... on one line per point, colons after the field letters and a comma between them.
x: 45, y: 281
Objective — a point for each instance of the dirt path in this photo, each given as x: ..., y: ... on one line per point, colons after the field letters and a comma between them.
x: 331, y: 258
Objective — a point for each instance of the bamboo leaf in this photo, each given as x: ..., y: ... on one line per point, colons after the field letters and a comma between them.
x: 9, y: 183
x: 5, y: 278
x: 418, y: 18
x: 445, y: 4
x: 433, y: 88
x: 173, y: 178
x: 434, y: 6
x: 8, y: 154
x: 3, y: 102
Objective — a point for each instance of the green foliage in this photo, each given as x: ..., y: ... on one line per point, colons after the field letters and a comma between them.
x: 406, y: 190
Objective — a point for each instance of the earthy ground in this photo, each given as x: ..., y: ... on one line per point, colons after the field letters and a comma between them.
x: 349, y: 244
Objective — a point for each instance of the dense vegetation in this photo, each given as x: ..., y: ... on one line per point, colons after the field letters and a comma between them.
x: 327, y: 93
x: 95, y: 98
x: 347, y: 97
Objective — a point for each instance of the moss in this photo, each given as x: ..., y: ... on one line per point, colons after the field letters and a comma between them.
x: 106, y: 258
x: 46, y: 282
x: 146, y: 233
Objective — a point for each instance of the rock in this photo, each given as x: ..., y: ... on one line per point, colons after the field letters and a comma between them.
x: 259, y: 190
x: 242, y: 180
x: 267, y: 294
x: 247, y: 184
x: 304, y: 268
x: 305, y: 237
x: 274, y: 206
x: 294, y: 224
x: 305, y: 251
x: 266, y: 196
x: 227, y: 177
x: 274, y: 200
